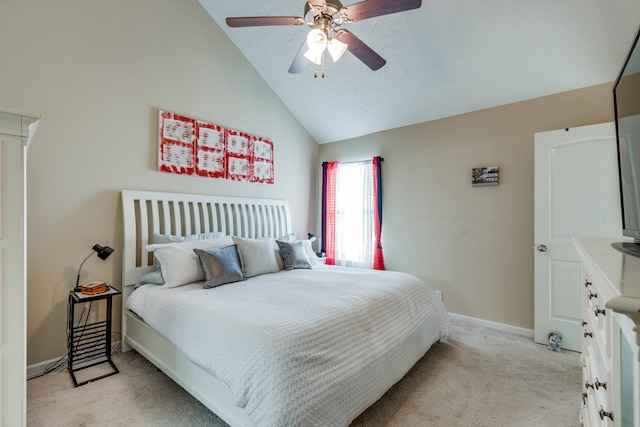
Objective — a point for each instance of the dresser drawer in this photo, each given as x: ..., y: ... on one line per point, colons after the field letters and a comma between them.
x: 596, y: 393
x: 595, y: 314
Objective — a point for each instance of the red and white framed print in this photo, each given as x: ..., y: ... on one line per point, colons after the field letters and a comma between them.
x: 238, y: 156
x: 210, y: 144
x: 176, y: 144
x: 188, y: 146
x: 262, y: 151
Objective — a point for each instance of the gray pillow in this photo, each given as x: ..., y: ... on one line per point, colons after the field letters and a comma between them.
x: 221, y: 266
x: 294, y: 255
x: 257, y: 256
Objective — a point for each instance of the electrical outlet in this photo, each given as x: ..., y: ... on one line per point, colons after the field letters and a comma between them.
x: 439, y: 294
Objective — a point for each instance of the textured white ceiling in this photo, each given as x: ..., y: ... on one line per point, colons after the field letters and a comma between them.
x: 446, y: 58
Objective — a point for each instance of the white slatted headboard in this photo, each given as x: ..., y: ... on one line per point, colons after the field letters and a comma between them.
x: 146, y: 213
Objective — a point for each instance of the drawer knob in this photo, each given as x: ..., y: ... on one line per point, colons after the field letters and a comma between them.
x: 588, y: 385
x: 588, y: 334
x: 598, y: 311
x: 598, y: 384
x: 604, y: 413
x: 584, y: 323
x: 592, y: 295
x: 587, y: 283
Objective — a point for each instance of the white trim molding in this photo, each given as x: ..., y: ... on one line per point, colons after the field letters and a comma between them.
x: 528, y: 333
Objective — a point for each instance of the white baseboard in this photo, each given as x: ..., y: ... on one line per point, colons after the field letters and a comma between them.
x: 529, y: 333
x: 38, y: 369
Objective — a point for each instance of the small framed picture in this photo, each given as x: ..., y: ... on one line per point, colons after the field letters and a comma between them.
x: 485, y: 177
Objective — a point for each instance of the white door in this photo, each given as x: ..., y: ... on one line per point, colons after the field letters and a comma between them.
x: 576, y: 194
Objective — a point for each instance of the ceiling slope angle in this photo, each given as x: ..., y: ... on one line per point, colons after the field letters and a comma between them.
x: 410, y: 61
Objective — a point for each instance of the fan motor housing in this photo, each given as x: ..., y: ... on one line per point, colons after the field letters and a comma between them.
x: 320, y: 17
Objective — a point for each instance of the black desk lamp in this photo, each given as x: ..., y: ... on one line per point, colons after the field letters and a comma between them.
x: 103, y: 253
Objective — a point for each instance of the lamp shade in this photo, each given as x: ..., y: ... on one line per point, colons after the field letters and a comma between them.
x: 314, y: 56
x: 103, y: 253
x: 336, y: 49
x: 317, y: 40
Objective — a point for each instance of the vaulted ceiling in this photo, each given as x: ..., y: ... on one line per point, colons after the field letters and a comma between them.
x: 446, y: 58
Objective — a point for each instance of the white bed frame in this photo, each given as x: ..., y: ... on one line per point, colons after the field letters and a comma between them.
x: 145, y: 213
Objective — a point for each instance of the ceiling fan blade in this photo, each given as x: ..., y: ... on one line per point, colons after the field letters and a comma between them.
x: 257, y: 21
x: 372, y: 8
x: 361, y: 51
x: 299, y: 63
x: 317, y: 4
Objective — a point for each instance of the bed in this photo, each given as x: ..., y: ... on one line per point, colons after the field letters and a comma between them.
x: 304, y: 346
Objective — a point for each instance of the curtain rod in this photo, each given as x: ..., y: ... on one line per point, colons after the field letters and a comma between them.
x: 357, y: 161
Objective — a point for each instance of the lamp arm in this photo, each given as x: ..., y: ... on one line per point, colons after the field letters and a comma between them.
x: 81, y: 264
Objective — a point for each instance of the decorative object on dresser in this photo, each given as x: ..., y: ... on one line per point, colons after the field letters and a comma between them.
x: 611, y: 336
x: 103, y: 253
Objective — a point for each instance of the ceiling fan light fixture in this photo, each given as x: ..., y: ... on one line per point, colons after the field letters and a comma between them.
x: 314, y: 56
x: 317, y: 40
x: 336, y: 49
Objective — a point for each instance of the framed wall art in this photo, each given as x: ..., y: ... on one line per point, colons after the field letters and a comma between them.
x: 485, y: 177
x: 188, y: 146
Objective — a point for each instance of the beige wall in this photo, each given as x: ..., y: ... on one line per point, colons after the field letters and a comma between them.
x: 476, y: 244
x: 97, y: 72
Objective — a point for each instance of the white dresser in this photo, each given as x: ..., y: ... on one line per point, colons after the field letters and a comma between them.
x: 611, y: 322
x: 16, y: 130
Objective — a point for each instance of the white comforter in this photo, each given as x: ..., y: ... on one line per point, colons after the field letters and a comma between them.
x: 303, y: 347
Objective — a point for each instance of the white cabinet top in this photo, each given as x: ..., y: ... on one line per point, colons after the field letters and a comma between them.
x: 618, y: 272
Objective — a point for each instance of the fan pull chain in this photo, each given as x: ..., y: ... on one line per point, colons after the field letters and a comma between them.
x: 315, y: 72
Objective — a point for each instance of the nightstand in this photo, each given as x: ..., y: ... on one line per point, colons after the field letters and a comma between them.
x: 89, y: 344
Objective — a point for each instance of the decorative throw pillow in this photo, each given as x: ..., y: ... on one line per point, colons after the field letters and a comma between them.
x: 294, y: 255
x: 155, y: 277
x: 257, y: 256
x: 179, y: 264
x: 276, y: 250
x: 221, y: 266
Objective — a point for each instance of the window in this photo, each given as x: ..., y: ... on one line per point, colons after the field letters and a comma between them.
x: 352, y: 214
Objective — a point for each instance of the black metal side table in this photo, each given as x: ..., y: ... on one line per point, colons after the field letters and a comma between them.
x: 89, y: 344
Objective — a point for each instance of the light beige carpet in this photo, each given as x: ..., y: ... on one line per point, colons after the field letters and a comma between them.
x: 481, y: 377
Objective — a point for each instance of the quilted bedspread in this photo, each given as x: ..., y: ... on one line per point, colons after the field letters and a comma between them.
x: 301, y: 347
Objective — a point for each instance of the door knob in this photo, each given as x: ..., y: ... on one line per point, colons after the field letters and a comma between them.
x: 542, y: 248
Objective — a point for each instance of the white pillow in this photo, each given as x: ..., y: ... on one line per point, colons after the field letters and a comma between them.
x: 179, y: 264
x: 257, y: 256
x: 313, y: 258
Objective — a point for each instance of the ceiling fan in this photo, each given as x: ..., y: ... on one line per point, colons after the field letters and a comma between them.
x: 325, y: 18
